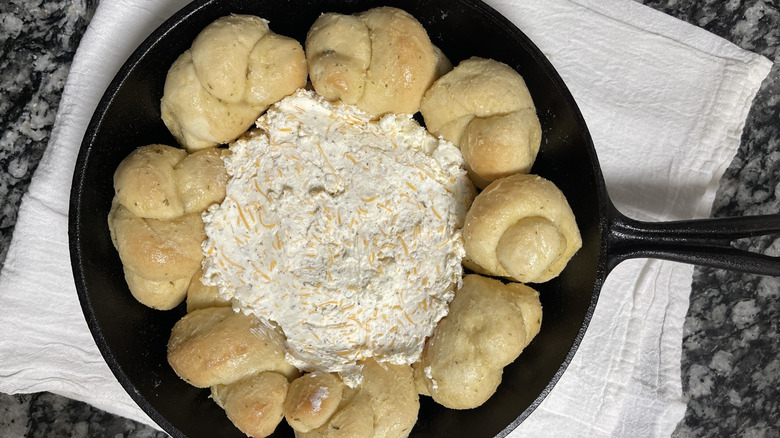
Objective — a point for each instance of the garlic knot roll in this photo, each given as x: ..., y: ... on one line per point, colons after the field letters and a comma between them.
x: 520, y: 227
x: 380, y: 60
x: 235, y: 69
x: 485, y: 108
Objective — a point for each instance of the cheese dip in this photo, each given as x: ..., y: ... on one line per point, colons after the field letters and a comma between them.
x: 342, y: 231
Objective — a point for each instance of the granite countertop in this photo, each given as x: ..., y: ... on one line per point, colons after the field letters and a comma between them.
x: 731, y: 360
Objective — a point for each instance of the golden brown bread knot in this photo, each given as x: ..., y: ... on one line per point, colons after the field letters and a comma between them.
x: 254, y: 404
x: 163, y: 182
x: 216, y: 345
x: 385, y: 404
x: 155, y: 221
x: 236, y: 68
x: 489, y: 325
x: 484, y: 107
x: 520, y: 227
x: 380, y: 60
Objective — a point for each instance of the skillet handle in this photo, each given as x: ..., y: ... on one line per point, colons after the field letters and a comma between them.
x: 704, y: 242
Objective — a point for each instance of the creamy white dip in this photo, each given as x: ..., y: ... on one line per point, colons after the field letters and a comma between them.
x: 341, y: 230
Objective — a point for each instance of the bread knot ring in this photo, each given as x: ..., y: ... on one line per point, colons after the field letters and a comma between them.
x: 484, y: 107
x: 234, y: 70
x: 380, y: 60
x: 520, y: 227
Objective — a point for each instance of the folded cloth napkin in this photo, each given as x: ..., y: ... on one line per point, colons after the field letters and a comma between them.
x: 664, y: 101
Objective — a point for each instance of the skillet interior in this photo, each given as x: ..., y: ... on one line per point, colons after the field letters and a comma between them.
x: 133, y: 338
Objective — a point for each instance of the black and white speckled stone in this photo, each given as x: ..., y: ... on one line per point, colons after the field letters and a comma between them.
x: 37, y: 43
x: 731, y: 358
x: 48, y: 415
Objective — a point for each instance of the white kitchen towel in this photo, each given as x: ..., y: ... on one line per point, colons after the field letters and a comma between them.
x: 665, y: 103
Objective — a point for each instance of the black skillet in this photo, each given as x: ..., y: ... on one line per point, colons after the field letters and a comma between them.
x: 132, y: 338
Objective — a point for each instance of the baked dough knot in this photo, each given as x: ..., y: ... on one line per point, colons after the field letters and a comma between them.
x: 385, y: 404
x: 218, y: 346
x: 155, y: 218
x: 254, y: 404
x: 484, y: 107
x: 520, y: 227
x: 490, y: 323
x: 380, y: 60
x: 240, y: 359
x: 234, y: 70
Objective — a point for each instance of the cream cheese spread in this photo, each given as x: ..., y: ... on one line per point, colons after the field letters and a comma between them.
x: 342, y: 230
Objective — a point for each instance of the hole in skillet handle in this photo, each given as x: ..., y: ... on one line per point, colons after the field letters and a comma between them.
x: 703, y: 242
x: 133, y: 338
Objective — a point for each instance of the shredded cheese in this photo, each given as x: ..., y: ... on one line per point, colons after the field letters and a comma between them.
x: 323, y: 235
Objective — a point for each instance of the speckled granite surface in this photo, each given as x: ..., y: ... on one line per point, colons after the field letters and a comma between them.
x: 37, y: 43
x: 731, y: 358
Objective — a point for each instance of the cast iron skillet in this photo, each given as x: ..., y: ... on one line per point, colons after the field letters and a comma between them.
x: 133, y: 338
